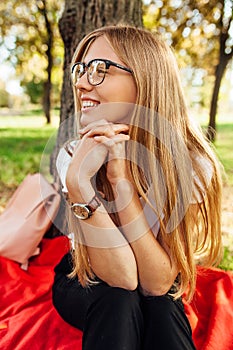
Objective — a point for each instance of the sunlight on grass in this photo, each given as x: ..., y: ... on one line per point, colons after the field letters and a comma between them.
x: 24, y: 143
x: 30, y: 121
x: 22, y: 140
x: 224, y: 147
x: 224, y: 139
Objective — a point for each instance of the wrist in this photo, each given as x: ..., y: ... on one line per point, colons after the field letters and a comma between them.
x: 82, y: 192
x: 124, y: 193
x: 85, y: 211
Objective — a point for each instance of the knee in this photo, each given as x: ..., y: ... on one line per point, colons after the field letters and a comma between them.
x: 122, y: 300
x: 159, y: 305
x: 163, y: 309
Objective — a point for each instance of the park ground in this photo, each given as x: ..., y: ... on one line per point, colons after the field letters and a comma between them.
x: 25, y: 139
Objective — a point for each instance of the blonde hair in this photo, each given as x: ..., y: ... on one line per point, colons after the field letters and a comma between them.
x: 161, y: 107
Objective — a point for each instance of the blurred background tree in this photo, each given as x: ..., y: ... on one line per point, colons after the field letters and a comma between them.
x: 201, y: 33
x: 77, y: 20
x: 29, y: 33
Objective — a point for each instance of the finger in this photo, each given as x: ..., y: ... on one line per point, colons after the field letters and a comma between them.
x: 108, y: 130
x: 120, y: 137
x: 104, y: 140
x: 109, y: 142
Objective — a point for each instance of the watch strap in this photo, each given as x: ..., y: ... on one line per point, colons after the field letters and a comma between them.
x: 94, y: 203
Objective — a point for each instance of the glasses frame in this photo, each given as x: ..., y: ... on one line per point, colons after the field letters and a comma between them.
x: 85, y: 66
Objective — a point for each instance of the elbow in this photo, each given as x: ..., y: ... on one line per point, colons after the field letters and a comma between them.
x: 127, y: 282
x: 162, y: 290
x: 130, y: 285
x: 127, y: 279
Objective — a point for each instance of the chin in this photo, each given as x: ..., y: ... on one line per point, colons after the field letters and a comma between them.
x: 117, y: 112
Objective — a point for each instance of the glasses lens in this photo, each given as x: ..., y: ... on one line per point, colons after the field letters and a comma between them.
x: 77, y: 71
x: 96, y: 72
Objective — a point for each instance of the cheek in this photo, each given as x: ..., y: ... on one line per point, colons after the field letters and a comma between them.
x: 127, y: 94
x: 118, y: 112
x: 132, y: 93
x: 122, y: 89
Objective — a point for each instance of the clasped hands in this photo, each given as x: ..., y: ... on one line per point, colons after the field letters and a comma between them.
x: 101, y: 142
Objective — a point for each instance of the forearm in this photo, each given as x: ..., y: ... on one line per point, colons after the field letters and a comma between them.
x: 110, y: 255
x: 156, y: 269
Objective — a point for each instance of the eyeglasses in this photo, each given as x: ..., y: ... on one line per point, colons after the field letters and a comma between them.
x: 96, y: 70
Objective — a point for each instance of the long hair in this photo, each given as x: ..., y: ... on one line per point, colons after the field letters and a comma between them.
x: 160, y: 125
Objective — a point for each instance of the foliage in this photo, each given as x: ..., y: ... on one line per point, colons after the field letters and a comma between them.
x: 34, y: 90
x: 201, y: 30
x: 25, y: 38
x: 4, y: 98
x: 193, y: 28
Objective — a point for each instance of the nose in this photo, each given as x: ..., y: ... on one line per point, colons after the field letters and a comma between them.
x: 83, y: 84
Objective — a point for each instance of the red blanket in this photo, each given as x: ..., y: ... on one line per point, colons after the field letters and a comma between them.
x: 27, y: 317
x: 29, y: 321
x: 211, y: 310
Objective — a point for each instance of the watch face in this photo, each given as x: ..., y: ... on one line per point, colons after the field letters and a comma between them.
x: 81, y: 211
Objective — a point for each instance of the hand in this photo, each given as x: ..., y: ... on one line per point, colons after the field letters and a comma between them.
x: 113, y: 137
x: 88, y: 156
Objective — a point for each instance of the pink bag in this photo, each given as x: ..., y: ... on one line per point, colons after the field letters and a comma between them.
x: 28, y: 215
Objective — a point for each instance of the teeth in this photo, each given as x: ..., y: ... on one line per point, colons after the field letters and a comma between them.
x: 89, y: 104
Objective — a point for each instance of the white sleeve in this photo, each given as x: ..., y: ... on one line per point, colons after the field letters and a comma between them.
x: 62, y: 163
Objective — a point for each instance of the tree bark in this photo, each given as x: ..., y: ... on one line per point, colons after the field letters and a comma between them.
x: 224, y: 58
x: 48, y: 82
x: 79, y: 18
x: 219, y: 73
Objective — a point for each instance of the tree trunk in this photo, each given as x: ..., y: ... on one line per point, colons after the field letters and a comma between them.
x: 47, y: 99
x: 219, y: 72
x: 224, y: 58
x: 79, y: 18
x: 48, y: 82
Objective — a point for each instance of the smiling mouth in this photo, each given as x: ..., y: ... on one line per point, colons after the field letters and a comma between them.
x: 89, y: 104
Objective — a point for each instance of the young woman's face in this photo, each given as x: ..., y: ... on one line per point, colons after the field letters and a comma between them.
x: 114, y: 98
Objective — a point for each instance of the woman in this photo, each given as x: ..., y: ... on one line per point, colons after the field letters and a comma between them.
x: 144, y: 197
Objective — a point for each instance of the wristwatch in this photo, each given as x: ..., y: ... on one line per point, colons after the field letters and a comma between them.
x: 85, y: 211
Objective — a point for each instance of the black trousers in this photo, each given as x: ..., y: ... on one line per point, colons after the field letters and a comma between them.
x: 117, y: 319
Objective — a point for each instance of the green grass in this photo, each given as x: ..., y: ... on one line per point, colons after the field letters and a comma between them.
x: 224, y: 148
x: 24, y: 142
x: 20, y: 152
x: 227, y: 260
